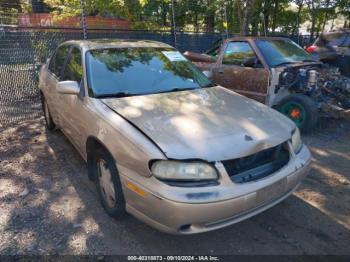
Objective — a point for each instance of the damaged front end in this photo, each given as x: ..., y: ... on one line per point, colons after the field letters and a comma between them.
x: 322, y: 83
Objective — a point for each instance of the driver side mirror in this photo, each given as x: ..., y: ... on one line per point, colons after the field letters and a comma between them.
x: 68, y: 87
x: 208, y: 74
x: 250, y: 62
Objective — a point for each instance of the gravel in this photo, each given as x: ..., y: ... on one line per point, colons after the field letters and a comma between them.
x: 48, y: 205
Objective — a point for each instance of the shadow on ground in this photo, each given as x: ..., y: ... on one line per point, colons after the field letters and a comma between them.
x: 48, y: 205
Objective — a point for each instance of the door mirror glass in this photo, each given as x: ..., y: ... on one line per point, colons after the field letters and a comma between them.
x: 68, y: 87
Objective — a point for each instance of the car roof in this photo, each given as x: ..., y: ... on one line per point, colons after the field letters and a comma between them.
x: 337, y: 31
x: 246, y: 38
x: 116, y: 43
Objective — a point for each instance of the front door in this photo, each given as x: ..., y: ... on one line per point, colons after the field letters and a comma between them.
x: 72, y: 106
x: 236, y: 71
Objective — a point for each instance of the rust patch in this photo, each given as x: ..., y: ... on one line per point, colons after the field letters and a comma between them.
x: 251, y: 82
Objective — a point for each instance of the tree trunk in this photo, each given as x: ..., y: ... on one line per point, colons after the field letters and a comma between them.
x: 164, y: 15
x: 266, y: 14
x: 312, y: 11
x: 274, y: 18
x: 210, y: 21
x: 325, y: 21
x: 245, y: 16
x: 325, y: 16
x: 297, y: 22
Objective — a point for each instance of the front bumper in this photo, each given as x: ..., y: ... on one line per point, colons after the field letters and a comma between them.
x: 210, y: 208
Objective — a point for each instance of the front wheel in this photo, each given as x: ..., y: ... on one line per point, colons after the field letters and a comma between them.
x: 301, y: 109
x: 108, y: 184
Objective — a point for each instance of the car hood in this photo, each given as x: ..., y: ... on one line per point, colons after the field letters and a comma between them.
x: 211, y: 123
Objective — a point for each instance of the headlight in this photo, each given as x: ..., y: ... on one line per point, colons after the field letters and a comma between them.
x: 176, y: 170
x: 296, y: 141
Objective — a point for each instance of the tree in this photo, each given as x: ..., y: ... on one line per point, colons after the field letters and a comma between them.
x: 244, y: 9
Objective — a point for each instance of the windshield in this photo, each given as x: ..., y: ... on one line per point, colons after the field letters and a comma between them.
x: 139, y: 71
x: 282, y: 51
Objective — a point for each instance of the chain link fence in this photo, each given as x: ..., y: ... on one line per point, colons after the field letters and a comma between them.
x: 23, y: 48
x: 22, y: 52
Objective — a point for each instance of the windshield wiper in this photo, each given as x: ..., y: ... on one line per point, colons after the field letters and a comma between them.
x: 208, y: 85
x: 118, y: 94
x: 309, y: 60
x: 177, y: 90
x: 284, y: 63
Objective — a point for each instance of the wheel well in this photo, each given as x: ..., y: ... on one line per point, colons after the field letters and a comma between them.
x: 93, y: 144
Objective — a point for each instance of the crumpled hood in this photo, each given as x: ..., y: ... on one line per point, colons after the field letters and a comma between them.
x: 212, y: 124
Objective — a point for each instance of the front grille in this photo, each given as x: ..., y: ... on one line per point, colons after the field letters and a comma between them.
x: 257, y: 166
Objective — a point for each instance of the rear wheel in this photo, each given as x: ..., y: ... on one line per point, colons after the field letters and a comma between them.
x: 108, y: 184
x: 50, y: 124
x: 301, y: 109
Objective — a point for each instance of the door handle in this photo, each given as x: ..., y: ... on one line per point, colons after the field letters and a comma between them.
x: 221, y: 71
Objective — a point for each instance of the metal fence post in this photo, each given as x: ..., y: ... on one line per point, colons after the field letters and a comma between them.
x: 83, y: 20
x: 173, y: 22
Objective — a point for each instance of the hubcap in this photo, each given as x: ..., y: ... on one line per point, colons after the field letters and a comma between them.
x: 106, y: 183
x: 295, y: 112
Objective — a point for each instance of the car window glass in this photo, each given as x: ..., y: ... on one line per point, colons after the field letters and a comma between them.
x: 74, y: 70
x: 57, y: 61
x: 279, y: 52
x: 214, y: 52
x: 237, y: 53
x: 332, y: 39
x: 215, y: 49
x: 140, y: 71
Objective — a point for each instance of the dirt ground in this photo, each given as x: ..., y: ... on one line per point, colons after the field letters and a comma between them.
x: 48, y: 205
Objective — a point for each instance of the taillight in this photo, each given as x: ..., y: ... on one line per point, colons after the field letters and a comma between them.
x: 311, y: 48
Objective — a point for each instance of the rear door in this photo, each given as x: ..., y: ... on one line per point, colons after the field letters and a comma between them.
x: 232, y: 72
x: 55, y: 71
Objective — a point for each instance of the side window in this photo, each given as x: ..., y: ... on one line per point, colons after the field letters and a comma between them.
x: 334, y: 39
x: 215, y: 49
x: 214, y: 52
x: 57, y: 61
x: 237, y: 53
x: 74, y: 70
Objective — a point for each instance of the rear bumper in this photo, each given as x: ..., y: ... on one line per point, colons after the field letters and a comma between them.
x: 188, y: 218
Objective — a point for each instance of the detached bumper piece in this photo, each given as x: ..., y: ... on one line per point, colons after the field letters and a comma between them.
x: 257, y: 166
x: 335, y: 111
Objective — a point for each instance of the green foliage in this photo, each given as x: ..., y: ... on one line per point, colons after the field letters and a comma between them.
x: 212, y: 15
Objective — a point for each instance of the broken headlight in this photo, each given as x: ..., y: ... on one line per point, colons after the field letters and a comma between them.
x: 288, y: 78
x: 296, y: 141
x: 184, y: 171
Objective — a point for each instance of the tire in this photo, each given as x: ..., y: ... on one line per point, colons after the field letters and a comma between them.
x: 50, y: 124
x: 108, y: 186
x: 301, y: 109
